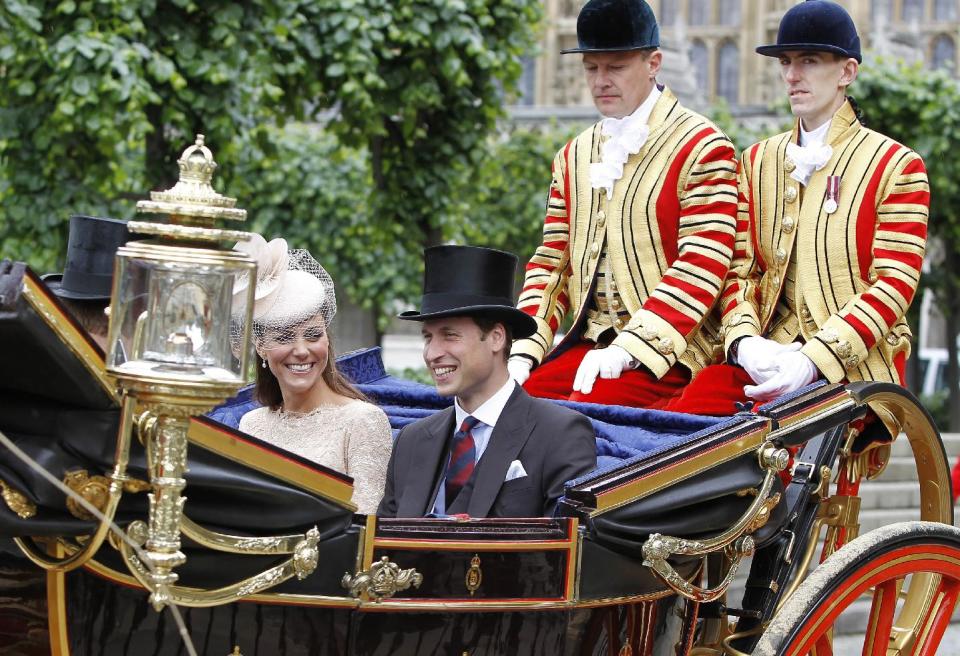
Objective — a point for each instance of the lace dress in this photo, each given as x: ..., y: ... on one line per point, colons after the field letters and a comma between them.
x: 353, y: 438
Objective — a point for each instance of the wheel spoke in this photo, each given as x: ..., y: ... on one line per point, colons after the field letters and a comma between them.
x: 881, y: 618
x: 824, y: 646
x: 944, y: 602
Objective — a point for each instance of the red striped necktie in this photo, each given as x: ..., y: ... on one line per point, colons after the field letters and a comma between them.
x: 463, y: 458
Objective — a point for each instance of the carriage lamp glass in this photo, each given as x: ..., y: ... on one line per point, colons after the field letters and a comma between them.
x: 172, y: 310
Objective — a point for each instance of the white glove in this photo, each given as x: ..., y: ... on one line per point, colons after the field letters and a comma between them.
x: 607, y: 362
x: 793, y: 371
x: 758, y: 356
x: 519, y: 369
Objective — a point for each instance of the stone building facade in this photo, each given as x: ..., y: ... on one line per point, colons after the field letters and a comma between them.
x: 709, y: 46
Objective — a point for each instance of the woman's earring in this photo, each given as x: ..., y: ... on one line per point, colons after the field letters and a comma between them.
x: 264, y: 364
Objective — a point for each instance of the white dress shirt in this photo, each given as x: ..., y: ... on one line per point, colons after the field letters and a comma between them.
x: 486, y: 415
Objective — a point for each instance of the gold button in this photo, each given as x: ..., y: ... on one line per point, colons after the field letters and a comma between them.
x: 788, y: 165
x: 844, y: 349
x: 872, y: 276
x: 790, y: 194
x: 595, y: 250
x: 805, y: 313
x: 615, y: 304
x: 829, y: 335
x: 648, y: 334
x: 781, y: 255
x: 776, y: 281
x: 665, y: 346
x: 788, y: 224
x: 601, y: 215
x: 892, y: 339
x: 587, y: 280
x: 852, y: 362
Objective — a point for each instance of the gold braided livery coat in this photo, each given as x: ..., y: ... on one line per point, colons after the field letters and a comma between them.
x: 668, y: 231
x: 852, y: 272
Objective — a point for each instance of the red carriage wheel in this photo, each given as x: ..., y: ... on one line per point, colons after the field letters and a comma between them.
x: 910, y: 572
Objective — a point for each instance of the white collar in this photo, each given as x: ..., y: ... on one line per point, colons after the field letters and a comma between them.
x: 625, y: 137
x: 490, y: 410
x: 814, y: 137
x: 640, y: 116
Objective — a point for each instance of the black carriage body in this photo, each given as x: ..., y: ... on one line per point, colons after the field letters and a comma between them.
x: 530, y: 586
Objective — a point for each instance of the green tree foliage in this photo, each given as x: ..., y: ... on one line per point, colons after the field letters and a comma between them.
x: 97, y: 98
x: 921, y: 108
x: 317, y: 193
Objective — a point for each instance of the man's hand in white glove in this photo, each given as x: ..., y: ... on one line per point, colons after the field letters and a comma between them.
x: 607, y: 363
x: 758, y: 356
x: 793, y: 371
x: 519, y: 368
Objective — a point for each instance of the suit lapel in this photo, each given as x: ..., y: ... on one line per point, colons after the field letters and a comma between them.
x: 417, y: 500
x: 509, y: 435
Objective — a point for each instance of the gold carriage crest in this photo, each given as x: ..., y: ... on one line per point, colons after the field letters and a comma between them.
x: 474, y: 576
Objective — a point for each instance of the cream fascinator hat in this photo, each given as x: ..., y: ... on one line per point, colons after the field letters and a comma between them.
x: 290, y: 288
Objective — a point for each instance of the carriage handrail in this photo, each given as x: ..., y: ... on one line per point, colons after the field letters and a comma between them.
x: 658, y: 548
x: 301, y: 564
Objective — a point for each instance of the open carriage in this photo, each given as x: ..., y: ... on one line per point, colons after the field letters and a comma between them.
x: 637, y: 560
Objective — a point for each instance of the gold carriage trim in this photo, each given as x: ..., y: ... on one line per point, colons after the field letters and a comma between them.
x: 17, y: 501
x: 42, y: 301
x: 229, y: 444
x: 644, y: 486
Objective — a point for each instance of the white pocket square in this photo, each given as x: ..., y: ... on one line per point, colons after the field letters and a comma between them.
x: 515, y: 471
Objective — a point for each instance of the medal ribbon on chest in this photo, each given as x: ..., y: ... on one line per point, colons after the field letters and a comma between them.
x: 831, y: 197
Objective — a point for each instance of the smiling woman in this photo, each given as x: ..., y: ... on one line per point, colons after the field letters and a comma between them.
x: 309, y: 408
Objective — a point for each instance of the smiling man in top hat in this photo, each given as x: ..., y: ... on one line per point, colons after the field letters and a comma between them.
x: 831, y: 232
x: 638, y: 234
x: 497, y: 452
x: 87, y: 279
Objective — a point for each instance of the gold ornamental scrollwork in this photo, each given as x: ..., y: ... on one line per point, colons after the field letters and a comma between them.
x: 763, y: 515
x: 383, y: 580
x: 94, y: 489
x: 17, y: 501
x: 474, y: 576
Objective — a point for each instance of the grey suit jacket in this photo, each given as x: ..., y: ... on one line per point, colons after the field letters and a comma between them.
x: 554, y: 444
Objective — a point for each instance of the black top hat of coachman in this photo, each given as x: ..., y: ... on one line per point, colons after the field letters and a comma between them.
x: 616, y: 26
x: 91, y: 246
x: 817, y: 25
x: 470, y: 281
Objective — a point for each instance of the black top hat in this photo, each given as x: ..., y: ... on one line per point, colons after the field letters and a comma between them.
x: 616, y: 26
x: 88, y: 272
x: 467, y: 281
x: 817, y: 25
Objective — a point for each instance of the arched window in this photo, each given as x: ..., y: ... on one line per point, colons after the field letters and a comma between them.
x: 912, y: 10
x: 729, y: 12
x: 944, y: 52
x: 945, y: 10
x: 668, y: 13
x: 699, y: 11
x: 728, y: 73
x: 700, y: 60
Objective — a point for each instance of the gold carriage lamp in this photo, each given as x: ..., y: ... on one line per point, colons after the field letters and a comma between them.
x: 177, y: 294
x: 174, y: 295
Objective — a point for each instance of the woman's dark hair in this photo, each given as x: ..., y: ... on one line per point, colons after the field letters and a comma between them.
x: 268, y: 393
